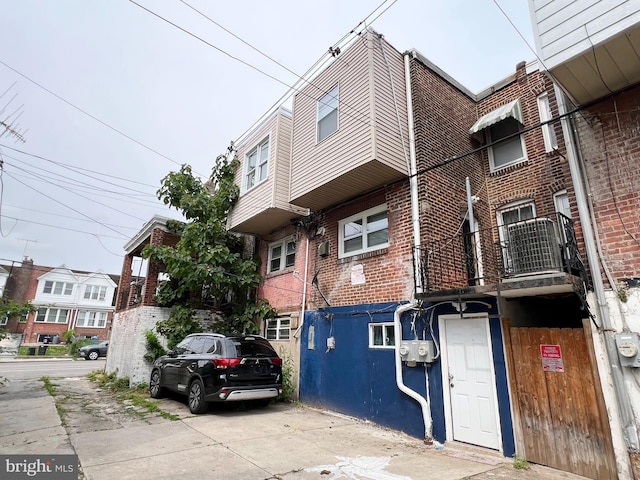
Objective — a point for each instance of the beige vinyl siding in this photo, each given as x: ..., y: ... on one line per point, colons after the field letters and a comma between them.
x: 265, y: 206
x: 389, y: 136
x: 568, y: 28
x: 345, y: 163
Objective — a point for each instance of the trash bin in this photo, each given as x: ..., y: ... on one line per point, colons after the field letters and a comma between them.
x: 32, y: 350
x: 42, y: 350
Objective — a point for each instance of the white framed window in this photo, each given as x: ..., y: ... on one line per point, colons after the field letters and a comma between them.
x: 510, y: 151
x: 382, y: 335
x: 328, y: 114
x: 4, y: 320
x: 52, y: 315
x: 57, y: 288
x: 516, y: 212
x: 91, y: 319
x: 256, y: 163
x: 282, y: 255
x: 364, y: 232
x: 548, y: 132
x: 561, y: 202
x: 95, y: 292
x: 277, y: 328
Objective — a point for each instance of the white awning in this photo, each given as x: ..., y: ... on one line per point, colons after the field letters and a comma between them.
x: 511, y: 109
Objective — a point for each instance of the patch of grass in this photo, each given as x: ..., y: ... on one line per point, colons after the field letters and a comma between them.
x: 520, y: 463
x: 51, y: 389
x: 137, y: 395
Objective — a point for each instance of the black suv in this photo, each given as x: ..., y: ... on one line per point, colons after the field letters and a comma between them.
x: 210, y: 367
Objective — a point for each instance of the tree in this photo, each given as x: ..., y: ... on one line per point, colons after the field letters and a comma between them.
x: 207, y: 268
x: 11, y: 309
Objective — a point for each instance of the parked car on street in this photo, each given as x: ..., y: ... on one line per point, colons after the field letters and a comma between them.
x: 93, y: 351
x: 211, y: 367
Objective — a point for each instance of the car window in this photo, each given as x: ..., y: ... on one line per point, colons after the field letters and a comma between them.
x: 212, y: 345
x: 197, y: 345
x: 183, y: 346
x: 254, y: 347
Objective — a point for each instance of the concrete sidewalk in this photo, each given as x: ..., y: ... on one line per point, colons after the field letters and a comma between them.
x: 284, y: 442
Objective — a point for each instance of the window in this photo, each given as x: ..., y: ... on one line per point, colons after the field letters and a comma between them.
x: 4, y: 320
x: 510, y: 151
x: 57, y: 288
x: 561, y: 202
x: 516, y: 212
x: 328, y: 114
x: 91, y: 319
x: 364, y: 232
x: 282, y: 255
x: 548, y: 131
x: 278, y: 328
x: 95, y: 292
x: 52, y: 315
x: 382, y: 335
x: 256, y: 165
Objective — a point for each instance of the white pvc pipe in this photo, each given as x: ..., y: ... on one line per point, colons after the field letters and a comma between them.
x: 424, y: 404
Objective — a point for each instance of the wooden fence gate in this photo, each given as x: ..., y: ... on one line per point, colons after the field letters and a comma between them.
x: 560, y: 417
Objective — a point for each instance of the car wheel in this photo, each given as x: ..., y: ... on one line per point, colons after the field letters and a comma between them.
x: 93, y: 355
x: 155, y: 390
x: 197, y: 403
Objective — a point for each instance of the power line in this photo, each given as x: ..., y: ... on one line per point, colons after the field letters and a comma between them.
x: 78, y: 194
x: 67, y: 206
x: 62, y: 228
x: 120, y: 132
x: 64, y: 216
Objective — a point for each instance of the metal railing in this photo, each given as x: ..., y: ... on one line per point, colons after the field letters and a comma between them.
x: 488, y: 255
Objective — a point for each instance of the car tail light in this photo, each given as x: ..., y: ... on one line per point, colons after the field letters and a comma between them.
x: 223, y: 363
x: 276, y: 361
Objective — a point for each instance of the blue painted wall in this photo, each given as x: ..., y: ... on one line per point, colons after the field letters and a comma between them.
x: 360, y: 381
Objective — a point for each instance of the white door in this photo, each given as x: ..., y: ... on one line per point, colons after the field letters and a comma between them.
x: 470, y: 376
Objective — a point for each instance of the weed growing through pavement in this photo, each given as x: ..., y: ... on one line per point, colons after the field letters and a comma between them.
x: 51, y: 390
x: 136, y: 395
x: 520, y: 462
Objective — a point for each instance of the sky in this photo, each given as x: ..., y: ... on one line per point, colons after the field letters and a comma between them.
x: 109, y: 98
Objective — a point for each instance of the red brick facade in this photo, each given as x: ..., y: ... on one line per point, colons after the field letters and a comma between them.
x: 609, y: 137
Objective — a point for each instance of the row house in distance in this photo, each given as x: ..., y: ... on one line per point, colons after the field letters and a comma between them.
x: 421, y: 243
x: 64, y: 299
x: 592, y: 51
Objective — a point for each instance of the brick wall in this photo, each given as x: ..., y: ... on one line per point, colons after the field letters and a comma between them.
x: 609, y: 137
x: 388, y: 272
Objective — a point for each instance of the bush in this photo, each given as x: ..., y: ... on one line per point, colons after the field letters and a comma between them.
x: 76, y: 344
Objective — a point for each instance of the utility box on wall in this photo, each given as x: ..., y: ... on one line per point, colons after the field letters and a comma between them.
x: 416, y: 351
x: 628, y: 345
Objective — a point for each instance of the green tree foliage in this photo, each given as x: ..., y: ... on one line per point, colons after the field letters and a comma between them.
x: 207, y: 268
x: 11, y: 309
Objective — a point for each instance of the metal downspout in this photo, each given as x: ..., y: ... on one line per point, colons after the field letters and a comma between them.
x: 415, y: 220
x: 626, y: 413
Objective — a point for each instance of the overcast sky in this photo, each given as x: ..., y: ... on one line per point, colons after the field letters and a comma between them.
x: 112, y: 98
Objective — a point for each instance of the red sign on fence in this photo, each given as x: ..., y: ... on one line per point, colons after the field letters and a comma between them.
x: 551, y: 358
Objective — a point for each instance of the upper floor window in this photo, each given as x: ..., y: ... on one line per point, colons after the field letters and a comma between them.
x: 507, y: 152
x: 4, y: 320
x: 91, y: 319
x: 278, y: 328
x: 328, y: 114
x: 57, y: 288
x: 364, y: 232
x: 282, y: 254
x: 548, y: 132
x: 52, y: 315
x: 95, y: 292
x: 256, y: 165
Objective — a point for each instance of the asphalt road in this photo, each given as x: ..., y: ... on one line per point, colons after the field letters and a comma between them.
x: 33, y: 369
